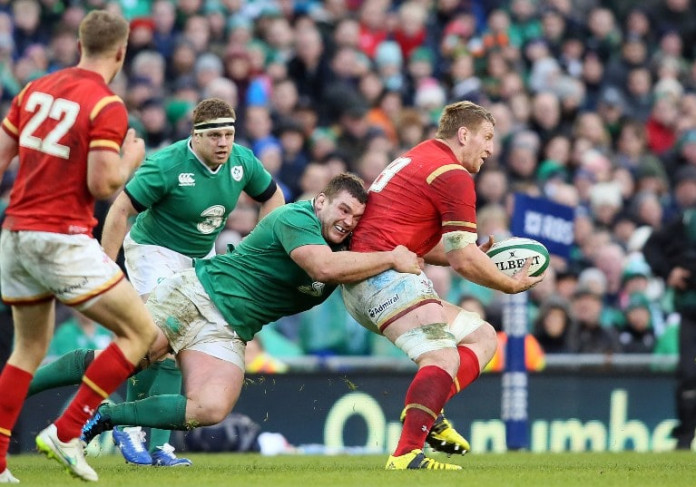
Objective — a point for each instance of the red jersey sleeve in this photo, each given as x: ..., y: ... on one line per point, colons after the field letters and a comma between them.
x: 109, y: 124
x: 452, y: 191
x: 11, y: 122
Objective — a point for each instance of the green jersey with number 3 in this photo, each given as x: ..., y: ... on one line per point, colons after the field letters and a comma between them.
x: 258, y: 282
x: 185, y: 203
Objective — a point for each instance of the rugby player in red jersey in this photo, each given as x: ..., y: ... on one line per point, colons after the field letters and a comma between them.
x: 72, y: 138
x: 425, y: 200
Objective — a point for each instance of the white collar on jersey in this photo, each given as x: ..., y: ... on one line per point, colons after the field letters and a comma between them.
x: 200, y: 161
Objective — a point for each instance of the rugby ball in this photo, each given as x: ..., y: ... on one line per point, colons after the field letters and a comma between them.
x: 510, y: 254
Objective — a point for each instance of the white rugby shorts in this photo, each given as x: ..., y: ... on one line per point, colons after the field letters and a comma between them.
x: 378, y: 301
x: 381, y: 299
x: 36, y: 266
x: 183, y: 310
x: 149, y: 264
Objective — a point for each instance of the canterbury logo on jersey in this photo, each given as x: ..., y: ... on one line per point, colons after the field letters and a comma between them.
x: 186, y: 179
x: 316, y: 289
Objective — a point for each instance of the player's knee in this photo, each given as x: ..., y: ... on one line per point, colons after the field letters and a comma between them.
x: 488, y: 335
x: 142, y: 330
x: 213, y: 414
x: 205, y: 409
x: 432, y: 344
x: 445, y: 358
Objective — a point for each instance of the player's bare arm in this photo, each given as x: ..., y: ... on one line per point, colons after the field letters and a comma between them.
x: 473, y: 264
x: 116, y: 224
x: 437, y: 256
x: 272, y: 203
x: 329, y: 267
x: 8, y: 150
x: 108, y: 171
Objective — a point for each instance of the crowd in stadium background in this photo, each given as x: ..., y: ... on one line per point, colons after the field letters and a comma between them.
x: 595, y: 104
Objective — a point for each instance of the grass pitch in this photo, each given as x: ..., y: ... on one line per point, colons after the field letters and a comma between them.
x: 672, y: 469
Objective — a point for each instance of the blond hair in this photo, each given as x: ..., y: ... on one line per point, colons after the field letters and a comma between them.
x: 102, y: 32
x: 462, y: 114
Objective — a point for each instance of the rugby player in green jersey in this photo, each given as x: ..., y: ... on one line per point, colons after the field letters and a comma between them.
x: 292, y: 261
x: 182, y: 196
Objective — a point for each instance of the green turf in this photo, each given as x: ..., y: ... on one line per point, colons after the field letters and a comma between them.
x: 495, y: 470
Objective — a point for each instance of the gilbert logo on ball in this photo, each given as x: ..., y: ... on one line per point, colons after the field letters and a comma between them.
x: 509, y: 255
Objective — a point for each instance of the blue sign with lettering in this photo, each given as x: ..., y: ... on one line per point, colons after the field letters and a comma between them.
x: 546, y: 221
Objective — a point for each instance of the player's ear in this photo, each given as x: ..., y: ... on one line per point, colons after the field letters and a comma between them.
x: 462, y: 134
x: 319, y: 201
x: 121, y: 53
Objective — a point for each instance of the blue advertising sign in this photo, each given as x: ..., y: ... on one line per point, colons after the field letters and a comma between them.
x: 546, y: 221
x: 513, y: 407
x: 551, y: 224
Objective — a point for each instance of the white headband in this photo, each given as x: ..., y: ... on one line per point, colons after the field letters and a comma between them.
x: 218, y: 123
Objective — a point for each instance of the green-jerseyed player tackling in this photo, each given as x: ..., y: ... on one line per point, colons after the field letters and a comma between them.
x: 289, y: 263
x: 182, y: 196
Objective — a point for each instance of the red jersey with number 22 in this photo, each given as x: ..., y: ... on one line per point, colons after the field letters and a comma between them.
x: 57, y: 120
x: 420, y: 196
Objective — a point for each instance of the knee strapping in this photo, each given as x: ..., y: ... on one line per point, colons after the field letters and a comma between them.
x: 465, y: 323
x: 427, y: 338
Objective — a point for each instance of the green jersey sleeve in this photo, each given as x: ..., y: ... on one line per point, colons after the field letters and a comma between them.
x: 257, y: 178
x: 296, y: 229
x: 148, y: 185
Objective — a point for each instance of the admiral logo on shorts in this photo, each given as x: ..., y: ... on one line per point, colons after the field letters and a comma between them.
x: 186, y: 179
x: 378, y: 309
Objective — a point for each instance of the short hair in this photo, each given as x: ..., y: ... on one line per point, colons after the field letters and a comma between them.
x: 346, y: 182
x: 462, y: 114
x: 212, y: 108
x: 145, y: 61
x: 102, y: 32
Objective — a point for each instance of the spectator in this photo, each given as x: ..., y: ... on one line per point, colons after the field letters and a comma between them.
x: 604, y: 36
x: 634, y: 55
x: 525, y: 24
x: 670, y: 254
x: 164, y: 35
x: 373, y: 25
x: 28, y: 30
x: 151, y: 66
x: 631, y: 151
x: 309, y: 68
x: 182, y: 60
x: 141, y: 36
x: 371, y: 164
x: 591, y: 336
x: 156, y: 128
x: 492, y: 187
x: 637, y: 335
x: 661, y: 125
x: 295, y: 158
x: 63, y: 49
x: 283, y: 100
x: 207, y: 68
x: 639, y: 93
x: 410, y: 30
x: 553, y: 327
x: 222, y: 88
